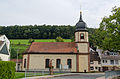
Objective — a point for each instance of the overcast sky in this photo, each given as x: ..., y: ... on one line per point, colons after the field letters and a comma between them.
x: 54, y: 12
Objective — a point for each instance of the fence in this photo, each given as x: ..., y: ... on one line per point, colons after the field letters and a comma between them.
x: 40, y: 72
x: 111, y: 74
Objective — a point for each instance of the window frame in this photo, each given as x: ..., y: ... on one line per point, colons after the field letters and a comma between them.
x: 117, y: 62
x: 58, y: 64
x: 111, y: 62
x: 69, y: 65
x: 82, y: 37
x: 103, y: 61
x: 91, y: 62
x: 96, y: 68
x: 25, y: 61
x: 47, y: 63
x: 91, y: 68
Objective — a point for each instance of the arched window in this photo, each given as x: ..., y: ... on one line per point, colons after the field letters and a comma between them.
x: 69, y: 63
x: 82, y: 36
x: 58, y: 62
x: 47, y: 62
x: 24, y: 63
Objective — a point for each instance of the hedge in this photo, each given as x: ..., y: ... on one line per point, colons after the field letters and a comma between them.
x: 7, y: 70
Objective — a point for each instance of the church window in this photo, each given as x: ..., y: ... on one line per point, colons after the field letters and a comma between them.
x: 81, y: 36
x: 24, y: 63
x: 47, y: 61
x: 69, y: 63
x: 58, y: 62
x: 91, y: 68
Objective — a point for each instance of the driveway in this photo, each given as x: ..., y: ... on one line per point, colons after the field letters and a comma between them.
x: 81, y: 76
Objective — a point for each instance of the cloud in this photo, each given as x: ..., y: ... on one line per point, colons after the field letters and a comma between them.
x: 61, y: 12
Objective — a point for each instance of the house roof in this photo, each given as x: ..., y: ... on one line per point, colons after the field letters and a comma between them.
x: 52, y: 47
x: 15, y: 60
x: 1, y: 42
x: 94, y: 56
x: 108, y: 57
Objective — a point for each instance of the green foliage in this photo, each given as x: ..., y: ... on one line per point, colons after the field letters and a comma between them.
x: 18, y: 43
x: 13, y: 54
x: 59, y: 39
x: 37, y: 31
x: 108, y: 35
x: 0, y: 59
x: 15, y: 47
x: 92, y: 37
x: 72, y: 38
x: 7, y: 70
x: 31, y: 40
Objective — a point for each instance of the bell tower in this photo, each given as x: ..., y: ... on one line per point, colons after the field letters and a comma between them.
x: 81, y: 39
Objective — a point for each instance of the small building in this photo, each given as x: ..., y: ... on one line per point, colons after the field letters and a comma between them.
x: 110, y: 61
x: 95, y: 62
x: 18, y: 64
x: 63, y: 55
x: 4, y: 48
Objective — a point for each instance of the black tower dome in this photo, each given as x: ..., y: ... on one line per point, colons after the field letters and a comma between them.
x: 81, y: 25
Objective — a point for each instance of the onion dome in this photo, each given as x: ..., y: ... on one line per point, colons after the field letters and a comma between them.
x: 81, y: 25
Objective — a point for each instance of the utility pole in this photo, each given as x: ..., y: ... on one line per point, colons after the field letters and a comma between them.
x: 17, y: 60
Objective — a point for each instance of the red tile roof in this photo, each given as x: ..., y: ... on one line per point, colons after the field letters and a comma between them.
x: 15, y: 60
x: 52, y: 47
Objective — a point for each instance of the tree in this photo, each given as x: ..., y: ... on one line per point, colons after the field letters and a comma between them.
x: 31, y: 40
x: 13, y: 54
x: 59, y: 39
x: 72, y: 38
x: 108, y: 34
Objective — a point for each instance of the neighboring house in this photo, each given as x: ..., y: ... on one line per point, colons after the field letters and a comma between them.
x: 5, y: 39
x: 110, y: 61
x: 4, y: 48
x: 95, y: 62
x: 63, y: 55
x: 18, y: 64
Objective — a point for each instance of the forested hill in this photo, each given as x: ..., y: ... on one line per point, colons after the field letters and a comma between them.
x: 38, y: 31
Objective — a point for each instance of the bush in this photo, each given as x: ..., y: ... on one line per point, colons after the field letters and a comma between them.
x: 31, y: 40
x: 59, y: 39
x: 7, y: 70
x: 19, y: 43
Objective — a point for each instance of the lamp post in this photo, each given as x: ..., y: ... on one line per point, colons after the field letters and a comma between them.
x: 51, y: 67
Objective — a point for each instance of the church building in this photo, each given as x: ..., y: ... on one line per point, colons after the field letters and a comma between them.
x: 63, y: 55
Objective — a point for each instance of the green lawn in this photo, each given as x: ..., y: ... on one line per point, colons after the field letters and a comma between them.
x: 19, y: 75
x: 25, y: 41
x: 22, y: 74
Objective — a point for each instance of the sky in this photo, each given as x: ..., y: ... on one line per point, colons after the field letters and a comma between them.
x: 54, y: 12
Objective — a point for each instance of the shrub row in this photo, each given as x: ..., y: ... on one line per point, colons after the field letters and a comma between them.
x: 7, y: 70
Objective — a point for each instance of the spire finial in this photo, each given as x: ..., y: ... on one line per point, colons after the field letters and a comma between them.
x: 80, y: 12
x: 80, y: 15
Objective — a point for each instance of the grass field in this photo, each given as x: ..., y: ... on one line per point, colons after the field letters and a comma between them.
x: 25, y: 41
x: 19, y: 75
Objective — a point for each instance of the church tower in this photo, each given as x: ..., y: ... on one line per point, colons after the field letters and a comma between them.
x: 81, y: 39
